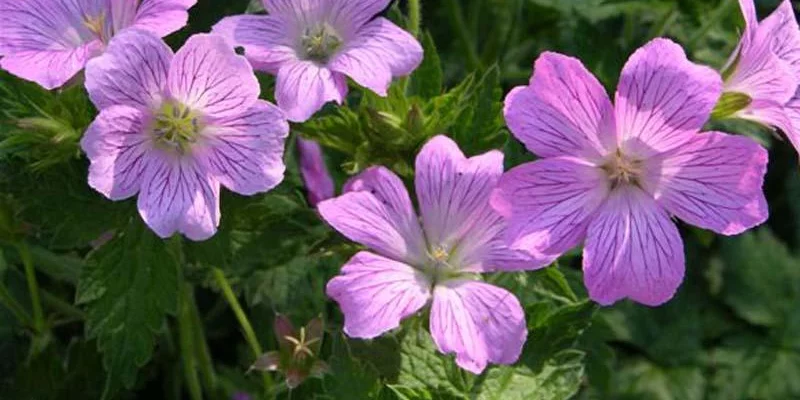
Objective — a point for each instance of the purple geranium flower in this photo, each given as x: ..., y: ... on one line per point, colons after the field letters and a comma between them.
x: 611, y: 176
x: 461, y: 236
x: 763, y: 74
x: 312, y: 45
x: 49, y: 41
x: 314, y: 171
x: 173, y: 127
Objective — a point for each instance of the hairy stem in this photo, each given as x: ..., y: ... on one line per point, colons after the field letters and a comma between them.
x: 244, y: 322
x: 414, y: 17
x: 11, y: 303
x: 187, y: 345
x: 201, y: 347
x: 33, y: 287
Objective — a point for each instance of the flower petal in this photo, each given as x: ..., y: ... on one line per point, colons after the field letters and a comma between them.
x: 713, y: 181
x: 50, y: 69
x: 632, y: 250
x: 777, y: 116
x: 379, y: 51
x: 116, y: 143
x: 548, y: 204
x: 132, y: 71
x: 785, y: 34
x: 345, y: 15
x: 453, y: 190
x: 663, y: 98
x: 758, y: 72
x: 45, y: 42
x: 207, y: 75
x: 264, y: 37
x: 478, y: 322
x: 245, y: 152
x: 314, y: 171
x: 748, y: 9
x: 563, y: 112
x: 177, y: 196
x: 377, y: 212
x: 163, y: 17
x: 376, y: 293
x: 303, y: 87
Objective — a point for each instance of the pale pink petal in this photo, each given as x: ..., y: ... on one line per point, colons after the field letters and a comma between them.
x: 375, y: 210
x: 478, y: 322
x: 346, y: 15
x: 775, y: 115
x: 714, y: 181
x: 785, y: 34
x: 50, y: 69
x: 376, y: 293
x: 453, y: 190
x: 632, y: 250
x: 748, y: 9
x: 548, y: 204
x: 177, y: 196
x: 116, y: 143
x: 245, y: 152
x: 132, y: 71
x: 46, y: 41
x: 163, y: 17
x: 316, y: 177
x: 264, y: 38
x: 381, y: 50
x: 565, y: 110
x: 208, y: 76
x: 759, y: 73
x: 303, y: 87
x: 663, y: 99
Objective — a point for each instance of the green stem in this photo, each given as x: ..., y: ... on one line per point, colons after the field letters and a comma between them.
x: 62, y: 306
x: 11, y: 303
x: 201, y: 348
x: 33, y: 286
x: 414, y: 17
x: 187, y: 344
x: 244, y: 323
x: 461, y: 28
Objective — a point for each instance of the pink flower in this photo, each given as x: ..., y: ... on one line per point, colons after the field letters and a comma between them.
x: 763, y: 74
x: 313, y: 45
x: 314, y: 172
x: 611, y: 176
x: 410, y: 266
x: 49, y: 41
x: 173, y: 127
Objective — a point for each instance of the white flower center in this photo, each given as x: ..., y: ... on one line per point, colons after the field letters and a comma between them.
x: 623, y: 170
x: 319, y: 43
x: 176, y: 127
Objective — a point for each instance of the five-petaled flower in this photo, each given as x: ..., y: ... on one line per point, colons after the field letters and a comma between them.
x: 313, y: 45
x: 49, y: 41
x: 173, y: 127
x: 763, y: 74
x: 409, y: 266
x: 611, y: 175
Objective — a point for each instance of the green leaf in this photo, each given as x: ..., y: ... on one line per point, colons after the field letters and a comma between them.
x: 422, y: 367
x: 761, y: 280
x: 559, y: 379
x: 640, y: 379
x: 426, y: 81
x: 349, y: 378
x: 127, y: 287
x: 480, y: 127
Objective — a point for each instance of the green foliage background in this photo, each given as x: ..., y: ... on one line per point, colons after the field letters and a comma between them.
x: 139, y: 317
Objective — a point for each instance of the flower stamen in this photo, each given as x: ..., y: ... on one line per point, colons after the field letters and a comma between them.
x: 176, y: 127
x: 320, y: 43
x: 622, y: 170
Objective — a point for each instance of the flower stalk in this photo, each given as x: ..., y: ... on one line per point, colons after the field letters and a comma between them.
x: 33, y: 287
